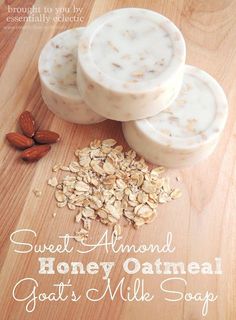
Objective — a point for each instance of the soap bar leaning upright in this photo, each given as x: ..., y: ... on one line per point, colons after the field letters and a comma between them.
x: 186, y: 132
x: 130, y: 64
x: 57, y: 71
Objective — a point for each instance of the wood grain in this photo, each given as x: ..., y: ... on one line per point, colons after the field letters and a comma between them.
x: 202, y: 221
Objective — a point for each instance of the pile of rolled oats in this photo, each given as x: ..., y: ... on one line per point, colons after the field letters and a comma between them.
x: 106, y: 183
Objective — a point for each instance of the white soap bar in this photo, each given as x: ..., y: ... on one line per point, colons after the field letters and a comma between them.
x: 57, y: 71
x: 188, y: 130
x: 130, y: 64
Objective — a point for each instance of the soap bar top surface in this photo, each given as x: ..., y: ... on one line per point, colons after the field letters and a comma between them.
x: 131, y: 49
x: 58, y: 72
x: 58, y: 60
x: 197, y: 115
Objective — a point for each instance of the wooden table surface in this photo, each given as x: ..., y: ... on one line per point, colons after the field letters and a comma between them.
x: 202, y: 222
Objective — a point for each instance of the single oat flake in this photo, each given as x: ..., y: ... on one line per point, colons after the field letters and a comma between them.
x: 53, y: 182
x: 37, y: 193
x: 105, y: 183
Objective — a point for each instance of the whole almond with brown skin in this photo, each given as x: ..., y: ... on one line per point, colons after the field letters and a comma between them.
x: 46, y: 137
x: 35, y: 153
x: 27, y: 124
x: 19, y: 141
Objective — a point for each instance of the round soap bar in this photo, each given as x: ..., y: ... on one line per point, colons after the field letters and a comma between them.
x: 57, y: 71
x: 130, y: 64
x: 188, y: 130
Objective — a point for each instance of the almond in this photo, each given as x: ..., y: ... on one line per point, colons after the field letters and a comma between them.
x: 35, y: 153
x: 19, y: 141
x: 46, y: 137
x: 27, y: 124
